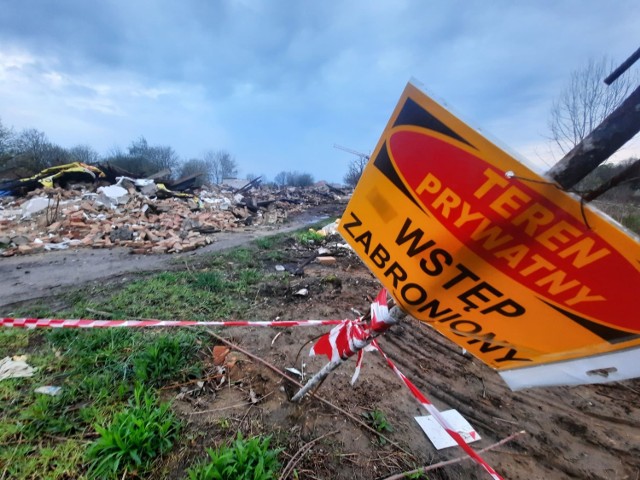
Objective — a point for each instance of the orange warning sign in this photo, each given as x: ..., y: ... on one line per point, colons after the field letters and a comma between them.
x: 492, y: 255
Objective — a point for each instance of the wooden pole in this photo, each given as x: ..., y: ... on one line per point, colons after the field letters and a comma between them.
x: 632, y: 172
x: 623, y: 68
x: 396, y: 314
x: 614, y: 131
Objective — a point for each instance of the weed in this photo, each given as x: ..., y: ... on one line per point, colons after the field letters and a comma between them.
x: 378, y: 421
x: 243, y: 256
x: 134, y: 439
x: 266, y: 243
x: 211, y: 280
x: 332, y: 280
x: 224, y: 424
x: 248, y: 277
x: 309, y: 237
x: 48, y: 415
x: 244, y: 459
x: 417, y: 476
x: 276, y: 255
x: 168, y: 357
x: 11, y: 340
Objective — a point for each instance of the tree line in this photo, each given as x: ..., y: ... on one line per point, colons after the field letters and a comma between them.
x: 29, y: 151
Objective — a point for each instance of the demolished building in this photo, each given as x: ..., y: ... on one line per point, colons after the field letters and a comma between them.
x: 143, y: 215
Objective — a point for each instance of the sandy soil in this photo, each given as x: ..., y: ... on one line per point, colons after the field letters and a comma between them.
x: 587, y: 432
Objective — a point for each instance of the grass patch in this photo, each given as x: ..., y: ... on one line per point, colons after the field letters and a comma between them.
x: 53, y: 462
x: 104, y: 373
x: 135, y: 437
x: 12, y: 340
x: 244, y: 459
x: 266, y: 243
x: 169, y: 357
x: 309, y: 237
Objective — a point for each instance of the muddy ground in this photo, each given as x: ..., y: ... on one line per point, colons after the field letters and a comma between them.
x: 590, y: 432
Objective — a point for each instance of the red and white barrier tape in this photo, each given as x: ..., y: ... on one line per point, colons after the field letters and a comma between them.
x: 352, y: 336
x: 343, y: 341
x: 424, y: 401
x: 86, y: 323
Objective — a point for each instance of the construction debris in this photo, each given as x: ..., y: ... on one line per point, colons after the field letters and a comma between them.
x: 145, y: 216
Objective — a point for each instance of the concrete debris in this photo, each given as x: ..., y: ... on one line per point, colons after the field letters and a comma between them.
x: 303, y: 292
x: 112, y: 196
x: 34, y: 205
x: 144, y: 216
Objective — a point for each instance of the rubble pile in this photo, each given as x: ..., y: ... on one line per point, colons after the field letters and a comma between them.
x: 142, y: 215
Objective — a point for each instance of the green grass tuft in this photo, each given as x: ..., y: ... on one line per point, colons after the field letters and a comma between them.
x: 309, y: 237
x: 168, y: 357
x: 135, y: 437
x: 244, y: 459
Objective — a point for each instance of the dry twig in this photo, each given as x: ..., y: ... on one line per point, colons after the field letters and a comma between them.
x: 314, y: 395
x: 300, y: 454
x: 454, y: 460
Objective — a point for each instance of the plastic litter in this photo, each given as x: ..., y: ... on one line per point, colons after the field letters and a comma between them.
x: 49, y: 390
x: 15, y: 367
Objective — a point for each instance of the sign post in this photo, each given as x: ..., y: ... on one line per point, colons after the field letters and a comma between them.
x: 492, y: 255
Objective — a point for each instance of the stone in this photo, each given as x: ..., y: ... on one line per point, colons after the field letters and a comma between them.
x: 326, y: 260
x: 34, y: 205
x: 19, y: 240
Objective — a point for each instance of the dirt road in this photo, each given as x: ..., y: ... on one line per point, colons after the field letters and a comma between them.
x: 24, y: 278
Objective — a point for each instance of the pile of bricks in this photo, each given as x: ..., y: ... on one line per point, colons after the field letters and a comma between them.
x: 74, y: 219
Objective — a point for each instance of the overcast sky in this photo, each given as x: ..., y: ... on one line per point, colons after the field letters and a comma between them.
x: 277, y: 83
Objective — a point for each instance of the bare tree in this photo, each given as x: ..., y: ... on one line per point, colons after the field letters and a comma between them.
x: 162, y: 157
x: 35, y: 152
x: 356, y: 167
x: 197, y: 166
x: 221, y: 165
x: 31, y: 146
x: 280, y: 179
x: 152, y: 159
x: 586, y: 101
x: 6, y: 139
x: 84, y: 154
x: 293, y: 179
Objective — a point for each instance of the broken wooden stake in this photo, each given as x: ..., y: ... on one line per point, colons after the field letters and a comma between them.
x: 395, y: 314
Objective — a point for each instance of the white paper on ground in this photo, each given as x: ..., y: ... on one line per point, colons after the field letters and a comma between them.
x: 439, y: 436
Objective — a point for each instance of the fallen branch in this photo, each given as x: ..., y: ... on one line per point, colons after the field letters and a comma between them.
x: 454, y: 460
x: 300, y: 454
x: 314, y: 395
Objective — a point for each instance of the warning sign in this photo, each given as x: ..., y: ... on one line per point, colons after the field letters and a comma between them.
x: 492, y: 255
